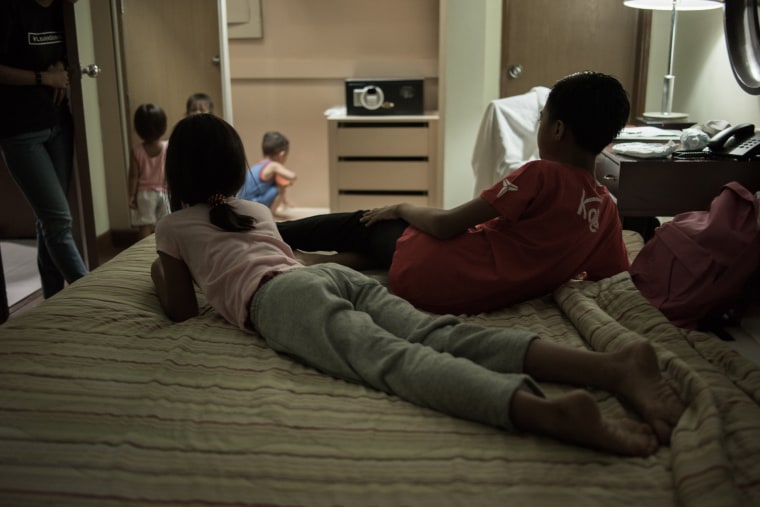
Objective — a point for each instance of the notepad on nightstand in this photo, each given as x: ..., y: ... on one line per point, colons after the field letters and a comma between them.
x: 648, y: 134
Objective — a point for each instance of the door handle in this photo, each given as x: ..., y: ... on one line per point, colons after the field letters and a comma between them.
x: 515, y: 71
x: 91, y: 70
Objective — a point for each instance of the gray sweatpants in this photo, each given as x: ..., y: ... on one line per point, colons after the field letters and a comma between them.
x: 349, y: 326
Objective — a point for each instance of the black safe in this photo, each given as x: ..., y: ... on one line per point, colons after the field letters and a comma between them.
x: 384, y: 96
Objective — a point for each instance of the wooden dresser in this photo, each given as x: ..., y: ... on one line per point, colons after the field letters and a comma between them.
x: 381, y: 160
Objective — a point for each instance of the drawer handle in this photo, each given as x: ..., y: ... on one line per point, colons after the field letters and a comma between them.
x: 609, y: 177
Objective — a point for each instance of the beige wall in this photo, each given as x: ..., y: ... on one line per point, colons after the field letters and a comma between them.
x: 288, y: 78
x: 470, y: 66
x: 705, y: 86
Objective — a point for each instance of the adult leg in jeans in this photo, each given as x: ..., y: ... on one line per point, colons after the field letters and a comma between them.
x: 41, y: 164
x: 345, y: 234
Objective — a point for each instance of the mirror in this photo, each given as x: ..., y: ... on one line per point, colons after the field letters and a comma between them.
x: 743, y: 42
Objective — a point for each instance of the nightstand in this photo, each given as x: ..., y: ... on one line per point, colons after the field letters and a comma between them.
x: 380, y: 160
x: 666, y: 187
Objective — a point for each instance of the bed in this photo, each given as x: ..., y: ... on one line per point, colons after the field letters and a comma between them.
x: 104, y: 401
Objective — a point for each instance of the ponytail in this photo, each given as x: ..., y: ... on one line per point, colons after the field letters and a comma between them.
x: 223, y: 215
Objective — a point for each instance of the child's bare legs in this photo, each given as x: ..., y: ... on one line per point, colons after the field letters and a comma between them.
x: 277, y: 205
x: 631, y: 373
x: 283, y: 194
x: 281, y: 203
x: 144, y: 231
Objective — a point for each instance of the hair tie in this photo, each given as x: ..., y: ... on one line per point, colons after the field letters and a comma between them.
x: 216, y: 199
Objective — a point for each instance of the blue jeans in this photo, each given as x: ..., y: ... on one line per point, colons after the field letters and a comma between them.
x: 41, y: 163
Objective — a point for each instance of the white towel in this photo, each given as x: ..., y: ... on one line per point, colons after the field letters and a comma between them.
x: 507, y: 136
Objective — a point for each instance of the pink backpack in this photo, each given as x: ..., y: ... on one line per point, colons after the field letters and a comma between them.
x: 696, y: 267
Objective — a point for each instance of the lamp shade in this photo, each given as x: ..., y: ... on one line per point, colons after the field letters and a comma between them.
x: 681, y: 5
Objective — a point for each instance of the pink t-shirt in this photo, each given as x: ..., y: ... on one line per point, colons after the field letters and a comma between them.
x: 150, y: 174
x: 555, y: 222
x: 227, y: 266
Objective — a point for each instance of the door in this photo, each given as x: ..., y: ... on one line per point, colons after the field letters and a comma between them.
x: 170, y: 51
x: 81, y: 93
x: 545, y: 40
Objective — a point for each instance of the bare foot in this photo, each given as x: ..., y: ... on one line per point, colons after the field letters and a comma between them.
x: 641, y: 384
x: 575, y: 418
x: 280, y: 212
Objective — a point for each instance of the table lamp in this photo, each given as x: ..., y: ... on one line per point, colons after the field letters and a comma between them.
x: 673, y: 6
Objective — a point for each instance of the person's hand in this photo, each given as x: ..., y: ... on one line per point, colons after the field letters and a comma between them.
x: 133, y: 202
x: 57, y: 78
x: 378, y: 214
x: 283, y: 180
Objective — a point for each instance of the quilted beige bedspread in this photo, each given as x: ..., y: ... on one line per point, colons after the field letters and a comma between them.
x: 103, y: 401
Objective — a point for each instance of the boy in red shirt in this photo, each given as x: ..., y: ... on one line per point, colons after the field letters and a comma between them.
x: 542, y: 225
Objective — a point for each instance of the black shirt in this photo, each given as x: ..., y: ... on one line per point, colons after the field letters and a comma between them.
x: 31, y: 38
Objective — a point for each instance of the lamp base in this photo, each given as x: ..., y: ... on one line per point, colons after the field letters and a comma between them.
x: 665, y: 116
x: 668, y: 123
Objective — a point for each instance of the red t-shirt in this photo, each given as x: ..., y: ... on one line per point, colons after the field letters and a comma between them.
x: 555, y: 222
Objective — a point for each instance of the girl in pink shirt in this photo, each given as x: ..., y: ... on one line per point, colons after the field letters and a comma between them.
x: 147, y: 192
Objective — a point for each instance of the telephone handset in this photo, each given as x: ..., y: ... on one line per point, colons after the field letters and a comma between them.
x: 739, y: 141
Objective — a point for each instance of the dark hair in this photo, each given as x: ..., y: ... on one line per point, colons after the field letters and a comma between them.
x: 206, y: 159
x: 273, y: 143
x: 199, y: 97
x: 593, y: 106
x: 150, y: 122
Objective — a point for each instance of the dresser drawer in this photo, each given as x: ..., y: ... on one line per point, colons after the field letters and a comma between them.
x: 382, y: 175
x: 394, y: 140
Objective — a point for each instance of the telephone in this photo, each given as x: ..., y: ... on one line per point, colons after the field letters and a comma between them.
x: 739, y: 141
